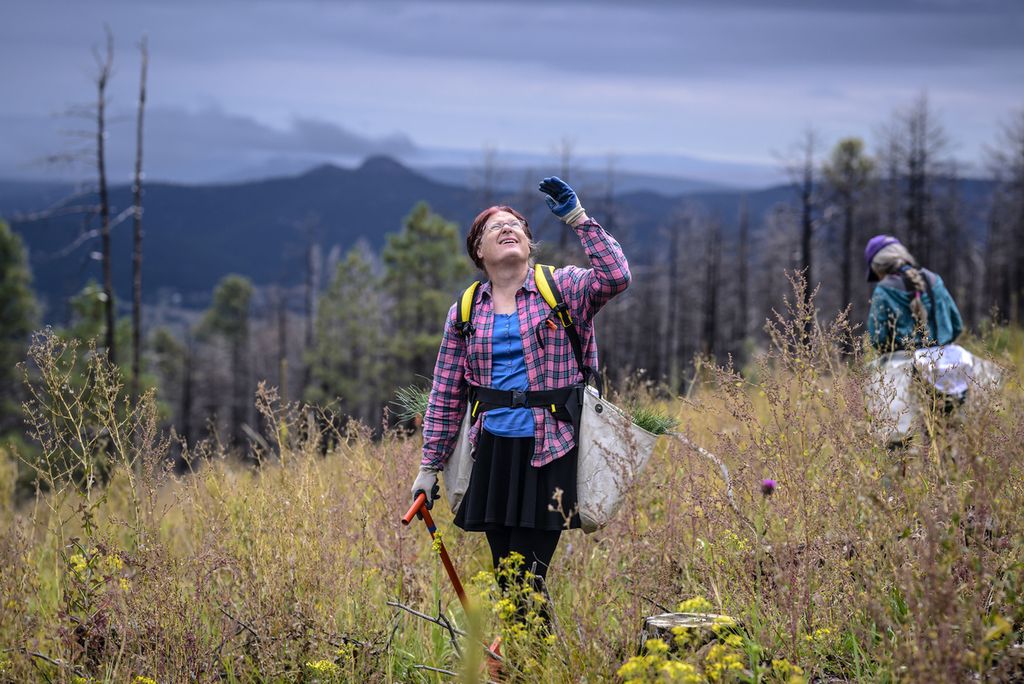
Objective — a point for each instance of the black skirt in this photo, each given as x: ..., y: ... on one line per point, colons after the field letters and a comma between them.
x: 506, y: 491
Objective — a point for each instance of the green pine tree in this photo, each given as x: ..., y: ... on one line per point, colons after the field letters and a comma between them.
x: 228, y: 319
x: 425, y: 266
x: 347, y: 357
x: 17, y: 319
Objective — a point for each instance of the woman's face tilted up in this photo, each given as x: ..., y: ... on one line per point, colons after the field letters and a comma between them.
x: 504, y: 241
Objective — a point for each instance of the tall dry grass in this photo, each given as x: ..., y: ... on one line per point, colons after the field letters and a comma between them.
x: 865, y: 563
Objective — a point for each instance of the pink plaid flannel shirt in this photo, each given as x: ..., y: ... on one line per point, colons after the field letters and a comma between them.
x: 462, y: 362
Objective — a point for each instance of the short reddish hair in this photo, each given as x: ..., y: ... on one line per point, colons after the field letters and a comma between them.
x: 476, y: 230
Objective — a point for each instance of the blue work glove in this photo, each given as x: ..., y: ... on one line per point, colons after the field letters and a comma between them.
x: 426, y: 482
x: 561, y: 199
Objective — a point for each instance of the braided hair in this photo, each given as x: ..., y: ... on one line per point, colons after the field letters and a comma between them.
x: 895, y: 259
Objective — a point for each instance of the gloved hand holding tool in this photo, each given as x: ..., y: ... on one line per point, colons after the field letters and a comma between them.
x: 426, y: 483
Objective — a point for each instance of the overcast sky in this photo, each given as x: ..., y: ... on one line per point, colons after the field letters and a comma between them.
x: 234, y: 84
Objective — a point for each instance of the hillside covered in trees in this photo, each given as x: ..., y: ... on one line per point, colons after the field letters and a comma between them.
x: 332, y: 284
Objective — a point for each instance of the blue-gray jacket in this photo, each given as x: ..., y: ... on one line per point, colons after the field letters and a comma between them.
x: 891, y: 323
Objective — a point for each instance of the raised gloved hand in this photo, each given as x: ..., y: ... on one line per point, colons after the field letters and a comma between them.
x: 426, y: 482
x: 561, y: 199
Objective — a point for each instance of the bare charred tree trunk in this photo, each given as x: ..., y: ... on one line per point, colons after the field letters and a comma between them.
x: 950, y: 251
x: 608, y: 214
x: 239, y: 385
x: 807, y: 213
x: 712, y: 261
x: 187, y: 389
x: 1005, y: 258
x: 917, y: 192
x: 311, y: 287
x: 671, y: 363
x: 925, y: 143
x: 282, y: 345
x: 743, y: 268
x: 105, y: 64
x: 801, y: 170
x: 565, y: 166
x: 137, y: 230
x: 489, y: 177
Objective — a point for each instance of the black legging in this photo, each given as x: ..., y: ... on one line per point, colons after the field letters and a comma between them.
x: 535, y: 546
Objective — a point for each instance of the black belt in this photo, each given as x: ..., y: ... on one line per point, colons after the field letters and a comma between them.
x: 565, y: 403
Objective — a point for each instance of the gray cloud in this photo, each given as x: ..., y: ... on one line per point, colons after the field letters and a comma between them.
x: 205, y: 145
x: 270, y: 78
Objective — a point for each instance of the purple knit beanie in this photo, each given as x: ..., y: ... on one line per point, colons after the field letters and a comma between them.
x: 874, y: 246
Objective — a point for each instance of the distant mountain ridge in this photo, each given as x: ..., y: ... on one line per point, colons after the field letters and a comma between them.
x: 196, y: 234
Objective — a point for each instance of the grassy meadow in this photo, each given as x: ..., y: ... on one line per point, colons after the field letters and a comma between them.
x: 862, y: 564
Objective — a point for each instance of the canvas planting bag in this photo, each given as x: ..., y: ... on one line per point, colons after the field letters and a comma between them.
x: 612, y: 452
x: 459, y: 468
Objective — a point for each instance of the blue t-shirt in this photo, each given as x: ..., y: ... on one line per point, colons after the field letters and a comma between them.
x: 508, y: 372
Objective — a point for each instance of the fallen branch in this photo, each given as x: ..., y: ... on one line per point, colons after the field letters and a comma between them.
x: 241, y: 623
x: 435, y: 669
x: 428, y: 618
x: 449, y: 626
x: 722, y: 468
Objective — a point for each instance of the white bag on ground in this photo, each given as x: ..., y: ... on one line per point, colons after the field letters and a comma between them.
x: 952, y: 370
x: 889, y: 396
x: 612, y: 452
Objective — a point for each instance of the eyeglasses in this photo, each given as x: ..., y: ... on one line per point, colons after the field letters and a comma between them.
x: 513, y: 224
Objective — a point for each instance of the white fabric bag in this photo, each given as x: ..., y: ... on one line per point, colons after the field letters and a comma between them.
x: 953, y: 370
x: 888, y: 396
x: 612, y: 452
x: 459, y: 467
x: 949, y: 368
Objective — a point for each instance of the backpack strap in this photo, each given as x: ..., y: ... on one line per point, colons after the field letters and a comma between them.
x: 464, y: 324
x: 545, y: 278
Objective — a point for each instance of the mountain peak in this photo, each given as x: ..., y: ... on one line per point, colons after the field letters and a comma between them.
x: 382, y: 164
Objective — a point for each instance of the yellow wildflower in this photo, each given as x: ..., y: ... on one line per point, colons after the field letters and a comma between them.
x: 787, y: 671
x: 734, y: 640
x: 678, y: 671
x: 681, y: 636
x: 818, y: 635
x: 656, y: 647
x: 436, y: 545
x: 323, y: 668
x: 1000, y: 628
x: 504, y: 609
x: 78, y: 563
x: 697, y: 604
x: 720, y: 662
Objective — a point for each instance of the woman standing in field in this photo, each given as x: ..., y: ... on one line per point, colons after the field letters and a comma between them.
x: 525, y: 449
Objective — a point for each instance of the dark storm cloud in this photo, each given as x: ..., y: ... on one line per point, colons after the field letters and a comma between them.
x: 247, y: 80
x: 207, y: 145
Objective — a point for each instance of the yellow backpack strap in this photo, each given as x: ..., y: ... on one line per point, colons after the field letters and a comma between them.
x: 464, y: 324
x: 545, y: 277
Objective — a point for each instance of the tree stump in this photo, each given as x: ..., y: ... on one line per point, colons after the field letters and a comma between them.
x: 700, y: 628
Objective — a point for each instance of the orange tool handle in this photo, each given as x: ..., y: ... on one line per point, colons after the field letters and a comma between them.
x: 420, y: 502
x: 420, y: 506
